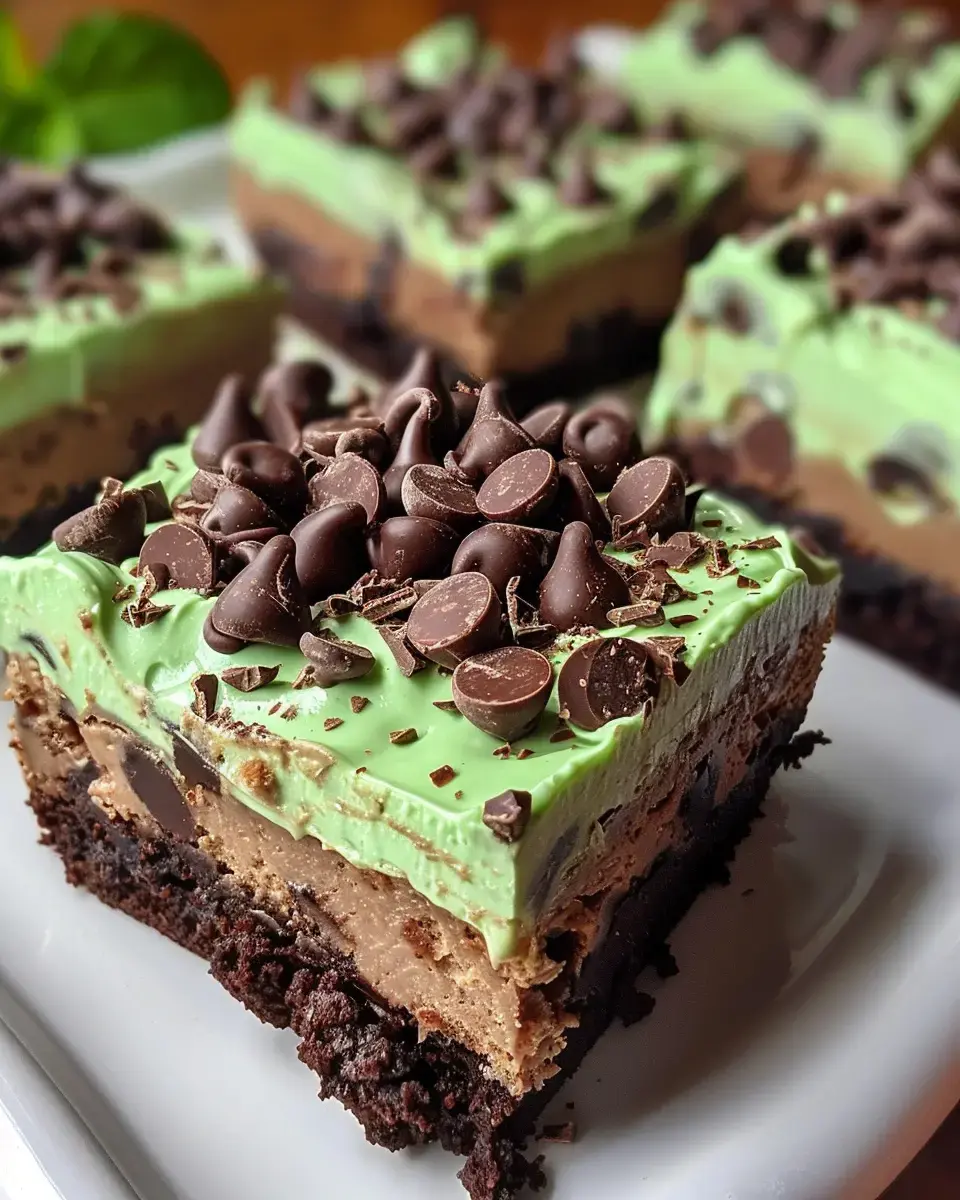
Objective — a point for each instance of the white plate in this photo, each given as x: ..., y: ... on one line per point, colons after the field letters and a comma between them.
x: 807, y: 1048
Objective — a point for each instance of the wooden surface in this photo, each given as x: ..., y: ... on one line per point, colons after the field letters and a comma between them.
x: 278, y: 37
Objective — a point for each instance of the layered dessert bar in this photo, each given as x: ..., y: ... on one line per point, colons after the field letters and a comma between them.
x: 814, y: 369
x: 522, y: 221
x: 817, y: 95
x: 425, y: 760
x: 114, y: 329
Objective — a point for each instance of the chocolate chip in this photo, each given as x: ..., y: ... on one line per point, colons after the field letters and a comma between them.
x: 888, y: 473
x: 493, y: 437
x: 650, y: 493
x: 602, y: 438
x: 335, y: 661
x: 416, y: 444
x: 292, y: 395
x: 248, y: 679
x: 414, y: 120
x: 581, y: 587
x: 579, y: 187
x: 221, y: 642
x: 500, y: 551
x: 403, y: 737
x: 121, y: 222
x: 265, y: 602
x: 111, y: 530
x: 404, y: 655
x: 412, y: 548
x: 348, y: 127
x: 204, y: 696
x: 764, y: 442
x: 611, y: 112
x: 504, y: 691
x: 185, y: 552
x: 423, y: 372
x: 371, y: 444
x: 155, y: 501
x: 520, y: 490
x: 485, y: 199
x: 382, y: 608
x: 507, y: 815
x: 330, y: 550
x: 157, y: 788
x: 430, y: 491
x: 605, y: 679
x: 350, y: 479
x: 679, y: 551
x: 273, y: 474
x: 358, y: 703
x: 237, y: 510
x: 546, y: 424
x: 228, y: 420
x: 577, y: 501
x: 456, y: 619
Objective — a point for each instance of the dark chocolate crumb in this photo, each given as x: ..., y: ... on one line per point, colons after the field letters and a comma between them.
x: 502, y: 752
x: 402, y: 737
x: 445, y: 706
x: 764, y: 543
x: 289, y: 712
x: 358, y: 703
x: 442, y: 775
x: 360, y: 771
x: 248, y: 679
x: 683, y: 619
x: 564, y: 1133
x: 802, y: 746
x: 744, y: 581
x: 458, y: 795
x: 562, y: 735
x: 525, y: 752
x: 332, y: 723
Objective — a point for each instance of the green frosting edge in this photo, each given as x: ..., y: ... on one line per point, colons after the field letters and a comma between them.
x: 847, y: 379
x: 71, y: 343
x: 859, y: 135
x: 376, y: 194
x: 375, y: 804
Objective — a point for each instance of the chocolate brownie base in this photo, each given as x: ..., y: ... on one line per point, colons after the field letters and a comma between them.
x: 898, y: 611
x: 365, y: 1051
x: 614, y: 347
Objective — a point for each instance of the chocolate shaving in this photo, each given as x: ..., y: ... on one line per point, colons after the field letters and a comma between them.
x: 248, y: 679
x: 330, y: 723
x: 358, y: 703
x: 644, y: 612
x: 403, y: 737
x: 406, y: 658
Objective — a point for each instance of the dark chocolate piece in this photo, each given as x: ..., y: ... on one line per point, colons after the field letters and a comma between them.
x: 577, y: 501
x: 493, y: 437
x: 581, y: 587
x: 292, y: 394
x: 155, y: 785
x: 678, y: 551
x: 404, y: 655
x: 520, y: 490
x: 602, y: 438
x: 270, y: 472
x: 546, y: 424
x: 248, y: 679
x: 237, y: 510
x: 205, y: 689
x: 228, y: 420
x: 350, y: 479
x: 412, y: 548
x: 650, y: 493
x: 603, y: 680
x: 265, y: 602
x: 330, y: 550
x: 333, y: 660
x: 500, y: 551
x: 111, y: 530
x: 456, y: 619
x: 185, y: 552
x: 504, y: 691
x: 416, y: 443
x: 507, y: 815
x: 430, y: 491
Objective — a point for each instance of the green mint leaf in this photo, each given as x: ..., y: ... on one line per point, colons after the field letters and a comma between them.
x: 22, y: 117
x: 127, y: 81
x: 16, y: 70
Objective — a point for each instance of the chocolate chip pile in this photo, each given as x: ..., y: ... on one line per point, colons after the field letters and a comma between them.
x: 485, y: 126
x: 68, y: 236
x: 901, y: 249
x: 470, y: 540
x: 803, y: 36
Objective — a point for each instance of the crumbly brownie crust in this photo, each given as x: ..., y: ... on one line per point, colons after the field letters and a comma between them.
x: 366, y: 1052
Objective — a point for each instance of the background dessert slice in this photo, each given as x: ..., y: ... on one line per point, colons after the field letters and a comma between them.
x: 430, y: 794
x: 521, y: 221
x: 814, y: 367
x: 818, y: 96
x: 114, y: 329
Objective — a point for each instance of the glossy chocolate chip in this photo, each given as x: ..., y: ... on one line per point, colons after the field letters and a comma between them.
x: 500, y: 551
x: 764, y: 443
x: 155, y: 785
x: 504, y: 691
x: 205, y: 484
x: 111, y: 530
x: 265, y: 602
x: 581, y: 587
x: 412, y: 547
x: 249, y: 678
x: 228, y: 420
x: 415, y: 444
x: 602, y: 438
x: 493, y: 437
x: 650, y: 493
x: 333, y: 660
x: 423, y: 372
x: 547, y: 423
x: 605, y: 679
x: 185, y: 552
x: 155, y: 501
x: 430, y: 491
x: 456, y: 619
x: 221, y: 642
x: 319, y: 439
x: 577, y: 501
x: 508, y: 815
x: 521, y: 490
x: 350, y: 479
x: 273, y: 474
x: 236, y: 509
x: 369, y: 443
x: 330, y: 552
x: 293, y: 394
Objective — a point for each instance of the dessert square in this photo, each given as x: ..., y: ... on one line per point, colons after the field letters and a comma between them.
x: 519, y: 220
x: 114, y: 329
x: 812, y: 369
x: 818, y: 96
x: 425, y: 761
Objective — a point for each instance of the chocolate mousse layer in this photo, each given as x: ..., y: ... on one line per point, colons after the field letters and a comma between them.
x: 355, y: 962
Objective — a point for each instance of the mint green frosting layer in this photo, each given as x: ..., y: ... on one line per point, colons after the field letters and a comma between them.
x: 855, y: 382
x: 350, y: 787
x: 374, y: 193
x: 74, y: 343
x: 743, y: 94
